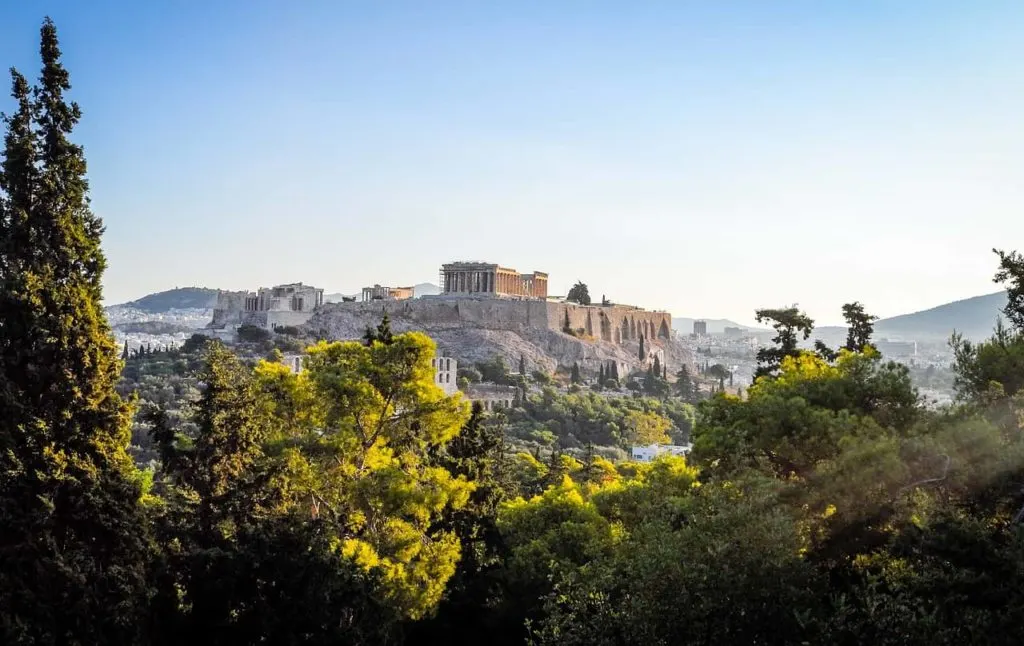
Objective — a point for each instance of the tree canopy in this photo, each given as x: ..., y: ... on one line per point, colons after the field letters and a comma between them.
x: 579, y: 293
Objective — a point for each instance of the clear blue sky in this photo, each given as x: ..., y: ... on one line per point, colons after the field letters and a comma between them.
x: 705, y: 157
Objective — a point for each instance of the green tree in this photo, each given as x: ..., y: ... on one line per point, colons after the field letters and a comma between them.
x: 600, y: 375
x: 124, y: 351
x: 579, y: 294
x: 656, y: 368
x: 790, y: 325
x: 574, y: 376
x: 721, y: 373
x: 382, y: 334
x: 522, y: 365
x: 860, y: 326
x: 73, y: 537
x: 1011, y: 273
x: 684, y: 384
x: 642, y: 354
x: 566, y: 325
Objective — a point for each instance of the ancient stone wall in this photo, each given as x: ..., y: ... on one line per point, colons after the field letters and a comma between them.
x: 616, y: 323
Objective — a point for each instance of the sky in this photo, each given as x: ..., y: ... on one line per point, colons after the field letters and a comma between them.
x: 706, y: 158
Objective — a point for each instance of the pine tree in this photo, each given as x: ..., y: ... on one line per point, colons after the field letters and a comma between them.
x: 522, y: 365
x: 382, y: 334
x: 600, y: 375
x: 124, y: 353
x: 642, y: 353
x: 73, y: 539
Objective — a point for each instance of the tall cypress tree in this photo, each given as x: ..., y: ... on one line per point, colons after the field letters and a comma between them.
x: 642, y: 354
x: 72, y: 534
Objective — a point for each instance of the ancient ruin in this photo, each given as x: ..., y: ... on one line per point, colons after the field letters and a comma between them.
x: 382, y: 293
x: 268, y: 307
x: 482, y: 278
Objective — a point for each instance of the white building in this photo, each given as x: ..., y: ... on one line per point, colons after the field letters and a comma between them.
x: 293, y: 361
x: 446, y: 371
x: 648, y: 453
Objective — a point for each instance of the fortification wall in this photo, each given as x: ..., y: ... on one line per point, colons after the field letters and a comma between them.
x: 615, y: 324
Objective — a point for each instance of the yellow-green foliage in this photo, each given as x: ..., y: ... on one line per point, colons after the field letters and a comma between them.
x: 353, y: 432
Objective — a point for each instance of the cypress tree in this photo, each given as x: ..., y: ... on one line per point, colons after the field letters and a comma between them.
x: 615, y: 370
x: 656, y: 370
x: 72, y: 537
x: 522, y: 365
x: 124, y: 353
x: 575, y: 375
x: 600, y: 375
x: 642, y: 353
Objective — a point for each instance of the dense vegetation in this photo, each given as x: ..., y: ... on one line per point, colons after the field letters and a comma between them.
x: 354, y: 503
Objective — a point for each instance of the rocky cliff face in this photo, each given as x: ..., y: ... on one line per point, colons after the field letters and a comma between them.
x: 470, y: 339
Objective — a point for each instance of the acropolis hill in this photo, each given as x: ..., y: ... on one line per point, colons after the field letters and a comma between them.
x: 487, y: 310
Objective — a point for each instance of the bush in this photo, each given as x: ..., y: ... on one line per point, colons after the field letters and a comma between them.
x: 287, y: 330
x: 252, y: 334
x: 541, y: 377
x: 470, y: 375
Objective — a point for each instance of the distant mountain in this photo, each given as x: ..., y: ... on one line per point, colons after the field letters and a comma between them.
x: 684, y: 325
x: 425, y: 289
x: 176, y: 299
x: 338, y: 297
x: 973, y: 317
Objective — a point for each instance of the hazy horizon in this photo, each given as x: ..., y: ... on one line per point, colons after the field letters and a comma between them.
x: 703, y: 158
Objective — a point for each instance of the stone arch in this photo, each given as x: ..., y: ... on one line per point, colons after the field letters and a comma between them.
x: 625, y: 328
x: 606, y: 328
x: 590, y: 325
x: 632, y: 328
x: 663, y: 330
x: 644, y: 331
x: 618, y: 336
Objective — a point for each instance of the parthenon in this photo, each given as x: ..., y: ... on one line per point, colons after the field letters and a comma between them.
x: 491, y: 279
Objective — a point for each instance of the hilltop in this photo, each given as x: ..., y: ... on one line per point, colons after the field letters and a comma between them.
x: 973, y: 317
x: 179, y: 298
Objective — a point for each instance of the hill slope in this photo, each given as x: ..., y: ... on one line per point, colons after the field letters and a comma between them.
x: 973, y: 317
x: 175, y: 299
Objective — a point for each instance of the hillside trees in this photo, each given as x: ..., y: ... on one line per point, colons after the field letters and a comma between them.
x: 330, y: 479
x: 73, y: 536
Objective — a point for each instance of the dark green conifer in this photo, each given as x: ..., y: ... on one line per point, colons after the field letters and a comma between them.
x: 72, y: 536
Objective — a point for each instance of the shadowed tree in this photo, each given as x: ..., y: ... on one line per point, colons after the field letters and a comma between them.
x: 790, y: 325
x: 861, y: 326
x: 1011, y: 273
x: 579, y: 293
x: 73, y: 538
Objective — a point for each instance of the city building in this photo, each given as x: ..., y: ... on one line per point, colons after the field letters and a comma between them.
x: 733, y: 332
x: 895, y: 348
x: 649, y: 453
x: 446, y: 370
x: 293, y: 361
x: 382, y: 293
x: 482, y: 278
x: 700, y: 328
